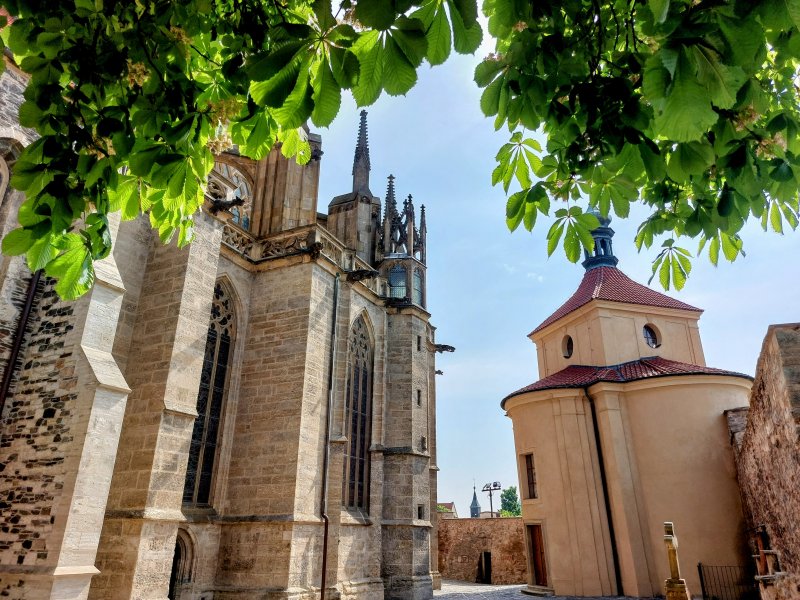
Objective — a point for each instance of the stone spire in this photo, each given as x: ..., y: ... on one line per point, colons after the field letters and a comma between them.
x: 361, y: 165
x: 475, y: 507
x: 603, y: 255
x: 391, y: 201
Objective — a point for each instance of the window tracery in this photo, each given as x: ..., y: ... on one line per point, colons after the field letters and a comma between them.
x: 358, y: 418
x: 210, y: 396
x: 227, y: 184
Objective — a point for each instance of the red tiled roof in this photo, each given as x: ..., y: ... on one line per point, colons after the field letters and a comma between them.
x: 578, y: 376
x: 609, y: 283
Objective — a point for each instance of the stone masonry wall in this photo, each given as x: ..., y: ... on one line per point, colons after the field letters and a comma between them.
x: 36, y: 420
x: 256, y: 537
x: 461, y: 542
x: 14, y: 273
x: 768, y: 459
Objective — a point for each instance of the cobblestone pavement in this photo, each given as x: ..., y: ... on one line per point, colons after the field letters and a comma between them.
x: 462, y: 590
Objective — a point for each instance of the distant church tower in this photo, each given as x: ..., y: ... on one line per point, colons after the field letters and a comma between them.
x: 475, y: 507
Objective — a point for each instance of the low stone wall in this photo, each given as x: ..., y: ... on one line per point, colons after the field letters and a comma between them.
x: 462, y: 542
x: 768, y: 458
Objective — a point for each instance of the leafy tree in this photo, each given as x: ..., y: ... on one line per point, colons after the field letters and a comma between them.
x: 509, y: 502
x: 133, y: 99
x: 688, y: 106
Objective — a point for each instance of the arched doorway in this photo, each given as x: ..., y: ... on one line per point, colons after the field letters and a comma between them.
x: 181, y: 573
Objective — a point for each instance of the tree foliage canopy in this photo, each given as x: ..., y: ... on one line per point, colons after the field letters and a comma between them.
x: 509, y: 502
x: 690, y: 106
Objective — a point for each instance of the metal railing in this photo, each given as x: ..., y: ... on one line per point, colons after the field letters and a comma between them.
x: 727, y: 582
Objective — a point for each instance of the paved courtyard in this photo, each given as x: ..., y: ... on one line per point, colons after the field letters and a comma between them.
x: 462, y: 590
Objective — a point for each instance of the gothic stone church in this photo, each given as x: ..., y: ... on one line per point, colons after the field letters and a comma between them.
x: 249, y: 417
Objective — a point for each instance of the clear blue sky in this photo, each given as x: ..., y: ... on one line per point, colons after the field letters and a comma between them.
x: 488, y: 288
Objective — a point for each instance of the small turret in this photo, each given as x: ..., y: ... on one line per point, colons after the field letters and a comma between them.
x: 403, y: 259
x: 603, y: 255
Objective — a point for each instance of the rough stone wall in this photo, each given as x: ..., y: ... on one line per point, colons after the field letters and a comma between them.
x: 461, y: 542
x: 14, y: 273
x: 37, y: 421
x: 12, y: 86
x: 768, y: 457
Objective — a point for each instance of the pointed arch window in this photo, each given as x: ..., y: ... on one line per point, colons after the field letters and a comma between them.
x: 397, y: 281
x: 210, y: 397
x: 358, y: 418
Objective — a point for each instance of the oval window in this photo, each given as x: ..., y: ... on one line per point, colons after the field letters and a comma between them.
x: 651, y: 336
x: 567, y: 346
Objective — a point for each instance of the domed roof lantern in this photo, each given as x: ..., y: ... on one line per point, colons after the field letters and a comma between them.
x: 603, y: 254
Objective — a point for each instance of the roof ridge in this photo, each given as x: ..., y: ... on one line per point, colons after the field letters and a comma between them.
x: 610, y: 284
x: 562, y: 379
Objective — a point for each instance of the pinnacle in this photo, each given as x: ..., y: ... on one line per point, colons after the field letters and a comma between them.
x: 361, y: 163
x: 390, y: 190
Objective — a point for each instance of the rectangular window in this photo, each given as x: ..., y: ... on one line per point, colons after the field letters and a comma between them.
x: 420, y: 511
x: 419, y: 343
x: 530, y: 476
x: 419, y: 397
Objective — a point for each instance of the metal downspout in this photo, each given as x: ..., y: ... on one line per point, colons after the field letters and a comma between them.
x: 606, y: 498
x: 327, y: 445
x: 19, y: 334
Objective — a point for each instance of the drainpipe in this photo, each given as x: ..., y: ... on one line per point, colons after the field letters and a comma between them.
x: 606, y: 498
x: 326, y: 448
x: 19, y: 335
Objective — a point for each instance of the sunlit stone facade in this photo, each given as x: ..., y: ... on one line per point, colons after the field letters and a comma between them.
x: 222, y: 420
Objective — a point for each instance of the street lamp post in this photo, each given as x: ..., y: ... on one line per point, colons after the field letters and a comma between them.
x: 491, y: 487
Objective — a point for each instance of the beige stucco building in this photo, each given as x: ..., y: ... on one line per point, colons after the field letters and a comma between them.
x: 247, y: 417
x: 625, y: 430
